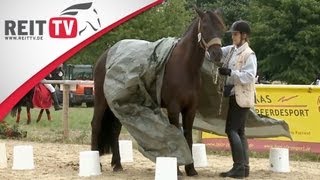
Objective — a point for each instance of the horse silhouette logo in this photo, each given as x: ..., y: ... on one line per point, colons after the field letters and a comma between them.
x: 78, y: 19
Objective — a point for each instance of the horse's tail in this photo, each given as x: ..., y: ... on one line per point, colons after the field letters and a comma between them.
x: 14, y: 111
x: 105, y: 126
x: 109, y: 132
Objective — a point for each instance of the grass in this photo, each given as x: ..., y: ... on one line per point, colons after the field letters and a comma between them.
x: 80, y: 131
x: 52, y: 131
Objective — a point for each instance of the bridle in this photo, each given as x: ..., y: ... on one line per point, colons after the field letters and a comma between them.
x: 203, y: 43
x: 206, y: 46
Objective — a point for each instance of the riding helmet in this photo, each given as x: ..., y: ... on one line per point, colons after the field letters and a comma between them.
x: 240, y: 26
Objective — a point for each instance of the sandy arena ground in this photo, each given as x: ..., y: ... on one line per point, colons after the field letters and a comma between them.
x: 61, y: 161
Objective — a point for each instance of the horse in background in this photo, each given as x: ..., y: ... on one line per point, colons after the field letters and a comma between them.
x: 34, y: 98
x: 39, y: 97
x: 180, y: 88
x: 25, y: 101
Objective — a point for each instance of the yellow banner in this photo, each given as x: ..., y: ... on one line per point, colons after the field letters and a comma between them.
x: 298, y: 105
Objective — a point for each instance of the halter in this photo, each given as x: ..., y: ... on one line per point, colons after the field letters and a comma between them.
x: 203, y: 43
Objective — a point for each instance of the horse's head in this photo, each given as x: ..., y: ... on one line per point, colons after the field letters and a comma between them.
x: 211, y: 28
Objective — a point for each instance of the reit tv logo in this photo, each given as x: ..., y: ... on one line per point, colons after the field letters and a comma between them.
x: 74, y: 20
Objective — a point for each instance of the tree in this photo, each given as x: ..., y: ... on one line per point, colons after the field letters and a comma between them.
x: 286, y: 39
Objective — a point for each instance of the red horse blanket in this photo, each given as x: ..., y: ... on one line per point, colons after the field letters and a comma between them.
x: 41, y: 97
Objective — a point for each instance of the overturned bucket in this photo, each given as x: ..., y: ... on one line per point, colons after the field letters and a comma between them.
x: 199, y: 155
x: 126, y: 152
x: 23, y: 157
x: 279, y: 160
x: 89, y: 163
x: 166, y: 168
x: 3, y: 156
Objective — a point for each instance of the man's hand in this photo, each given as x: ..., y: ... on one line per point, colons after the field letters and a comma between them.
x: 224, y: 71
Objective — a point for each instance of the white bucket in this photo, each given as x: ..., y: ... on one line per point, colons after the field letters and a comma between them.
x: 166, y: 168
x: 89, y: 163
x: 23, y: 157
x: 199, y: 155
x: 3, y: 156
x: 279, y: 160
x: 126, y: 152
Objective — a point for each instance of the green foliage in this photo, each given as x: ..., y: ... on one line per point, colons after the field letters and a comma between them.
x: 167, y: 19
x: 11, y: 131
x: 285, y: 39
x: 285, y: 35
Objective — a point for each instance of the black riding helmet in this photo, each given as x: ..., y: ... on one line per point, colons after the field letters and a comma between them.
x: 240, y: 26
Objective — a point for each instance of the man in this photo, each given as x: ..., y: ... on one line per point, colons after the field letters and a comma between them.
x: 240, y: 69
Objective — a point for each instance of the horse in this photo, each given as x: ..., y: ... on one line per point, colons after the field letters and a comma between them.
x: 180, y: 88
x: 28, y: 102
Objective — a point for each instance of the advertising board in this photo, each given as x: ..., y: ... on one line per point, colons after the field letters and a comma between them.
x: 298, y: 105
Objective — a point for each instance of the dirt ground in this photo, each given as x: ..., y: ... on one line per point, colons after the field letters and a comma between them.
x: 61, y: 161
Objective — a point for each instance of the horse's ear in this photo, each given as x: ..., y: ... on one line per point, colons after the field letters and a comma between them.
x: 199, y: 12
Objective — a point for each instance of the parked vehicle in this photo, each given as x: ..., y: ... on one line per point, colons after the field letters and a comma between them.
x: 83, y: 93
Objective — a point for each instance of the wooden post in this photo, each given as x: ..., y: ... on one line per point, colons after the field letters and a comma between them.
x: 199, y: 136
x: 65, y: 110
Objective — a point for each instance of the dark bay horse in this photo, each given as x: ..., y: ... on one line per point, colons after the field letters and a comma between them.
x: 180, y: 88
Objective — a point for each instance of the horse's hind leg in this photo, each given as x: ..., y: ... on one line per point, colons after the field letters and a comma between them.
x: 100, y: 105
x: 39, y: 115
x: 187, y: 121
x: 105, y: 127
x: 48, y: 114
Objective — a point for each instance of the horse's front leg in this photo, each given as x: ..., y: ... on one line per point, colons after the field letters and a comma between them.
x: 48, y: 114
x: 187, y: 122
x: 18, y: 115
x: 173, y: 115
x: 39, y: 115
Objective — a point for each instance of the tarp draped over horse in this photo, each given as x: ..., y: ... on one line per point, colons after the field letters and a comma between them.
x: 133, y: 86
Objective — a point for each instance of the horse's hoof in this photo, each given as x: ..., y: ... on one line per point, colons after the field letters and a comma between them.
x: 191, y: 171
x: 117, y: 168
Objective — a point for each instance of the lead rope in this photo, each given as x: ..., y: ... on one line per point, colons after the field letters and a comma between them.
x: 221, y: 80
